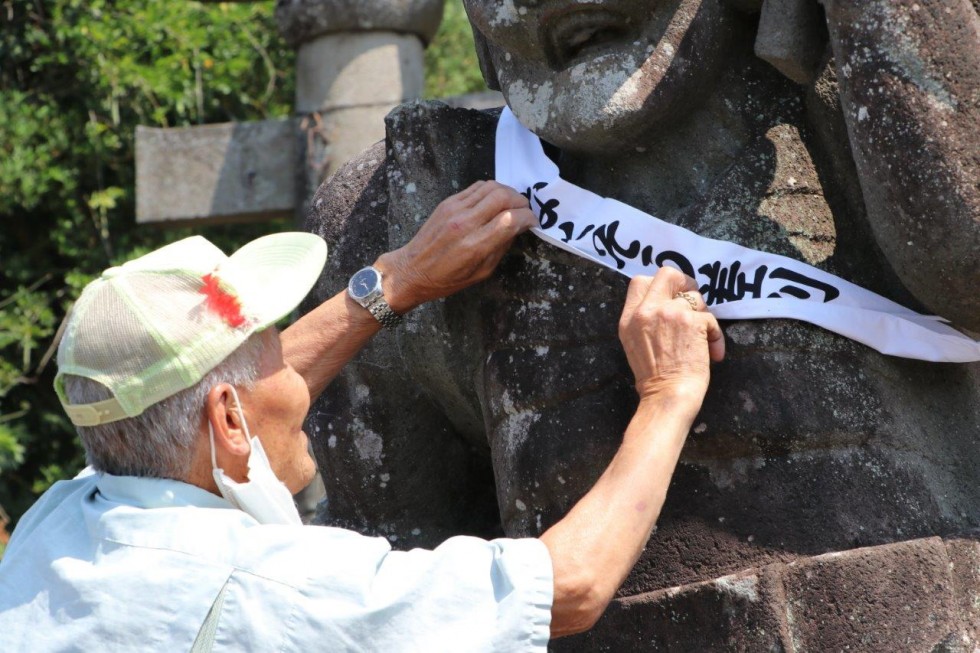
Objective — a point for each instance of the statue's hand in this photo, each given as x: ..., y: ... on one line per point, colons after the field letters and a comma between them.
x: 669, y: 336
x: 459, y: 245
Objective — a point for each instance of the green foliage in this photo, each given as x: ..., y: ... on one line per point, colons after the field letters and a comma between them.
x: 451, y: 66
x: 76, y: 77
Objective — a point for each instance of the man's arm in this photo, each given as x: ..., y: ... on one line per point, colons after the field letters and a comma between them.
x: 458, y: 246
x: 669, y: 347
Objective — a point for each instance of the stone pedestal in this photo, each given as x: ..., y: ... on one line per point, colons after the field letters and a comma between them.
x: 356, y: 61
x: 919, y: 595
x: 345, y: 85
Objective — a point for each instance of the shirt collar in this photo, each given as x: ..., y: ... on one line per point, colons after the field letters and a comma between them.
x: 145, y: 492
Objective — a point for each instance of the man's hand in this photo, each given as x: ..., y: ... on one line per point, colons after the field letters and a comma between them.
x: 669, y: 338
x: 459, y: 245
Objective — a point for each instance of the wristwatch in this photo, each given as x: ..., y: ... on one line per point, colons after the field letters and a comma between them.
x: 365, y: 289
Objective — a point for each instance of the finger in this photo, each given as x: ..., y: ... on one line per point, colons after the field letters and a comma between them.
x: 515, y: 221
x: 499, y: 233
x: 669, y: 281
x: 638, y: 290
x: 468, y: 192
x: 716, y: 340
x: 483, y: 188
x: 495, y: 201
x: 691, y: 298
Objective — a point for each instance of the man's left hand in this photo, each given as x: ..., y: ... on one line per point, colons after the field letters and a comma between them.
x: 459, y: 245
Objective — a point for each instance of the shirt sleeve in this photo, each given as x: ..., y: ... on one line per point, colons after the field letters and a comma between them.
x: 466, y: 595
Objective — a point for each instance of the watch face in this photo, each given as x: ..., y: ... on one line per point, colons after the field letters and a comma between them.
x: 364, y: 282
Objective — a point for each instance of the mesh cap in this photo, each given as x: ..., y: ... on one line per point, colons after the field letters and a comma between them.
x: 156, y: 325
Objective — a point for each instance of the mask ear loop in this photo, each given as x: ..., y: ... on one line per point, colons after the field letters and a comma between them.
x: 214, y: 459
x: 241, y: 415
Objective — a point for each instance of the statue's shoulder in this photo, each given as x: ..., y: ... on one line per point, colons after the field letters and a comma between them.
x: 439, y: 138
x: 377, y: 201
x: 433, y: 151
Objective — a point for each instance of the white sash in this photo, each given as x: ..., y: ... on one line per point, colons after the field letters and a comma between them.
x: 738, y: 283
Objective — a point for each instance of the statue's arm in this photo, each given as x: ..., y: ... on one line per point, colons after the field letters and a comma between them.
x: 909, y: 75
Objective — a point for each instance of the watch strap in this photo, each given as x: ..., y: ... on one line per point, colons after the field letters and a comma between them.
x: 388, y: 318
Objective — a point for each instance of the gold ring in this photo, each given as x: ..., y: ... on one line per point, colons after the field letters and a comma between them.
x: 693, y: 303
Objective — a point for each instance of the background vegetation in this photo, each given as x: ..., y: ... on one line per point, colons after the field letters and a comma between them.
x: 76, y: 77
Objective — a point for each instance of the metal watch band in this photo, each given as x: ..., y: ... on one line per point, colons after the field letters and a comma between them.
x: 382, y: 313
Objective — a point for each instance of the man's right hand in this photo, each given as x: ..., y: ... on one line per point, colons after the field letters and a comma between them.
x: 459, y: 245
x: 668, y: 335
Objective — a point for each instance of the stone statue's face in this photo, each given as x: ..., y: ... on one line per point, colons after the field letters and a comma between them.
x: 597, y: 75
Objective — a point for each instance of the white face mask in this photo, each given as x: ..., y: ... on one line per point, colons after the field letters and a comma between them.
x: 263, y: 496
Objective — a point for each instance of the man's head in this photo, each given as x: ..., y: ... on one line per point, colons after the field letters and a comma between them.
x: 153, y: 348
x: 594, y: 76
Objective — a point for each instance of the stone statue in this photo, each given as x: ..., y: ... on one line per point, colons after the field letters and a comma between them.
x: 828, y: 495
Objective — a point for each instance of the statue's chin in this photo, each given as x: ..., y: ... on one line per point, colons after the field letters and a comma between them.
x: 605, y: 107
x: 619, y: 96
x: 600, y: 135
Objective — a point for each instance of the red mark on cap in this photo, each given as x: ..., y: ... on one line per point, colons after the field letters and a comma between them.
x: 222, y: 302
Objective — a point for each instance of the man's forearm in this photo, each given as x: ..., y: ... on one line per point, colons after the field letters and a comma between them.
x: 320, y: 343
x: 594, y: 547
x: 459, y: 245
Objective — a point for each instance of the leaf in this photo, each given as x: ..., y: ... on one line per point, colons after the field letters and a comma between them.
x: 106, y: 199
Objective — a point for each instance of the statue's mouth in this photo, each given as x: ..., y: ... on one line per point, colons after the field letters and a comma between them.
x: 571, y: 35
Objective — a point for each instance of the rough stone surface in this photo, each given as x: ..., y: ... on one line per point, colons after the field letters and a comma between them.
x: 500, y: 406
x: 894, y: 597
x: 479, y: 100
x: 792, y: 37
x: 231, y: 171
x: 303, y: 20
x: 889, y: 598
x: 738, y: 613
x: 964, y: 569
x: 909, y: 77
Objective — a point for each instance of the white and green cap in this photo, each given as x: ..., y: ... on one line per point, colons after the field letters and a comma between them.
x: 156, y: 325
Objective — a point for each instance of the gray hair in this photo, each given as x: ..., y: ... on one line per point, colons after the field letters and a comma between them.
x: 160, y: 442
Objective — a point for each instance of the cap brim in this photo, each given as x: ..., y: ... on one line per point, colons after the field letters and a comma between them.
x: 273, y: 274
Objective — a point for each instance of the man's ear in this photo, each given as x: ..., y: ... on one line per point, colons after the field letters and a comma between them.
x: 223, y: 412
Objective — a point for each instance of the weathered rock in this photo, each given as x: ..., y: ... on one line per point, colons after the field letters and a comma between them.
x: 334, y: 68
x: 231, y: 171
x: 807, y: 443
x: 303, y: 20
x: 891, y: 598
x: 792, y: 37
x: 739, y: 613
x: 894, y: 597
x: 909, y: 76
x: 964, y: 570
x: 341, y: 116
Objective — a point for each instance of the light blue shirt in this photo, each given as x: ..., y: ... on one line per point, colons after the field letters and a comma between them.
x: 118, y: 563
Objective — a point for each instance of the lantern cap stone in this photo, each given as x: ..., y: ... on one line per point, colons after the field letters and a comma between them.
x: 301, y: 21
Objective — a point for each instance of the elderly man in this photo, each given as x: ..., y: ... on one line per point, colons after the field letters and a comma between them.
x: 182, y: 534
